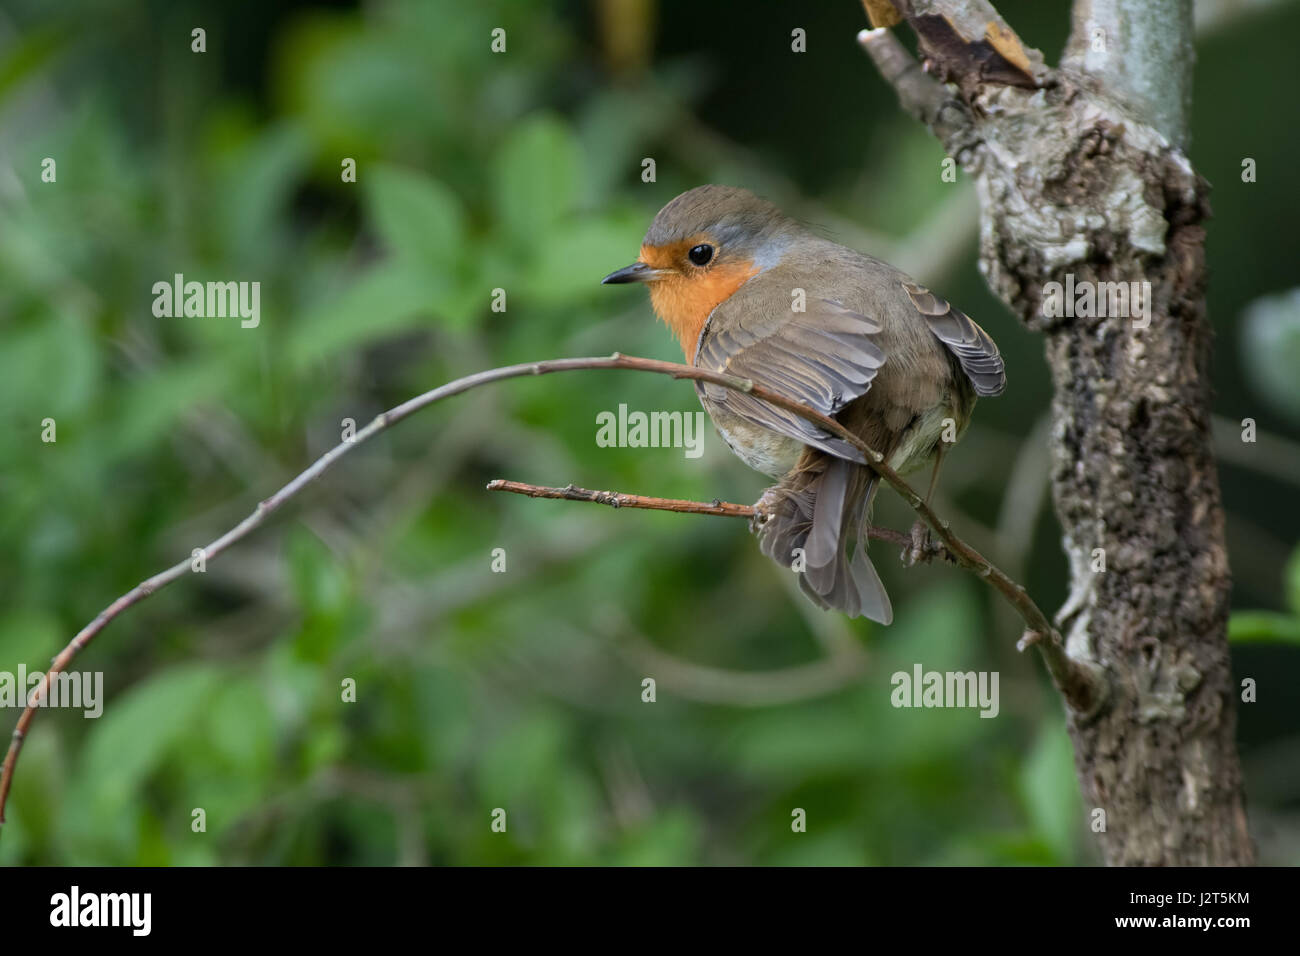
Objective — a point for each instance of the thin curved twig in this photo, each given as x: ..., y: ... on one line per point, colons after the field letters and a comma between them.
x: 1080, y: 682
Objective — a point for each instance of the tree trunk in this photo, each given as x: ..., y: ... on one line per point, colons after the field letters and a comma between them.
x: 1082, y: 180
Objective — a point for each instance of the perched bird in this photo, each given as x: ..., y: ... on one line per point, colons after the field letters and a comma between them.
x: 753, y: 293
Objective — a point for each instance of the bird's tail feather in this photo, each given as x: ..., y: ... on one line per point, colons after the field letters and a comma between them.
x: 822, y: 509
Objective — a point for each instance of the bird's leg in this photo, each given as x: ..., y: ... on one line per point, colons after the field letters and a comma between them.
x: 934, y: 475
x: 924, y: 547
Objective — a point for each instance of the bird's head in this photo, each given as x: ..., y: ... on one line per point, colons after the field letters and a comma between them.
x: 700, y: 249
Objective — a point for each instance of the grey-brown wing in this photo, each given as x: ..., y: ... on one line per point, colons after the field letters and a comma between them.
x: 977, y: 353
x: 824, y: 358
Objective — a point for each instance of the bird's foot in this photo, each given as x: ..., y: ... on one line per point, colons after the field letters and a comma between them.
x: 764, y: 508
x: 924, y: 548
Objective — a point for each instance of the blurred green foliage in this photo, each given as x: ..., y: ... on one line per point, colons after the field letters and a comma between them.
x: 1272, y: 626
x: 477, y: 690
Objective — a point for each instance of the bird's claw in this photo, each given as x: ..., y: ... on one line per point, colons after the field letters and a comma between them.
x: 764, y: 508
x: 924, y: 548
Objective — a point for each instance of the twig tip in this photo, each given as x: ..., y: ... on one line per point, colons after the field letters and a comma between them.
x: 1028, y: 640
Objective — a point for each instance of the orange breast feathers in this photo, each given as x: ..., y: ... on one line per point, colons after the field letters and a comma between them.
x: 685, y: 297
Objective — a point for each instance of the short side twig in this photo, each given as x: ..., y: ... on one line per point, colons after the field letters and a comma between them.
x: 618, y: 499
x: 919, y: 94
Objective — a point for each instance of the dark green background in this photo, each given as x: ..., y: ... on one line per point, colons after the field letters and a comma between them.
x: 522, y: 690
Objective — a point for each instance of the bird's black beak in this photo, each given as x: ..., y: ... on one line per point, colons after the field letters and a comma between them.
x: 636, y: 272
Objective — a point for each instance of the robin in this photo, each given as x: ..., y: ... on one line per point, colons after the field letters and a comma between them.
x: 751, y: 292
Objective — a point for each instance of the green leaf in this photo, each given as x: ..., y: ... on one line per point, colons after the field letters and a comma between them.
x: 61, y: 349
x: 28, y: 52
x: 513, y: 768
x: 1291, y: 582
x: 240, y: 727
x: 580, y: 254
x: 537, y: 174
x: 138, y: 728
x: 257, y: 181
x: 320, y: 585
x: 671, y: 838
x: 838, y: 846
x: 1263, y: 627
x: 323, y: 592
x: 384, y: 301
x: 154, y: 404
x: 419, y: 219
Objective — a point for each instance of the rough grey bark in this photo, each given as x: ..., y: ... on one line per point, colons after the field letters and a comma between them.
x: 1080, y: 171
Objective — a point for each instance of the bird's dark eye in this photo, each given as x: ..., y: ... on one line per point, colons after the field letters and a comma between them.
x: 701, y: 255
